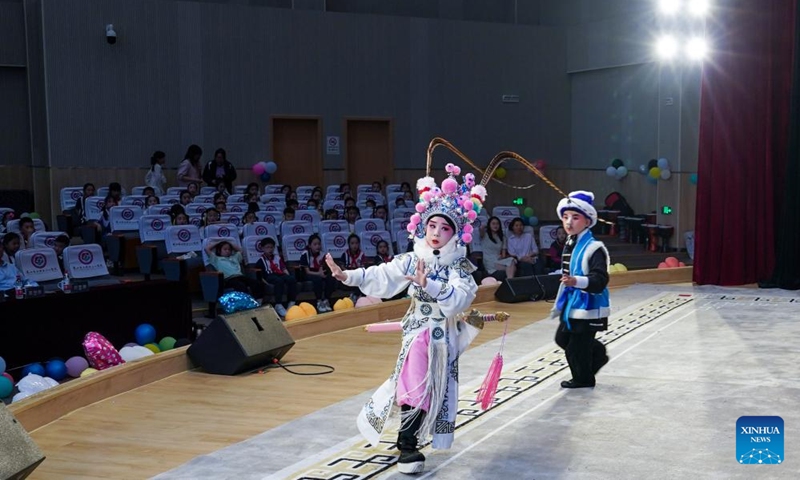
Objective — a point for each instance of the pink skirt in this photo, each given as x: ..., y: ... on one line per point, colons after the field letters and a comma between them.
x: 411, y: 383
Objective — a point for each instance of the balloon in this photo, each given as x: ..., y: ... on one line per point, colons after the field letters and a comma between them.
x: 76, y: 365
x: 663, y: 164
x: 100, y: 353
x: 489, y: 281
x: 35, y: 383
x: 665, y: 174
x: 681, y: 264
x: 153, y: 347
x: 621, y: 268
x: 56, y: 369
x: 20, y: 396
x: 643, y: 169
x: 374, y: 300
x: 617, y: 163
x: 295, y: 313
x: 611, y: 172
x: 652, y: 164
x: 693, y: 179
x: 662, y: 265
x: 8, y: 376
x: 655, y: 172
x: 533, y: 221
x: 363, y: 302
x: 2, y: 365
x: 500, y: 173
x: 528, y: 212
x: 258, y: 168
x: 34, y: 215
x: 166, y: 343
x: 266, y: 176
x: 136, y: 352
x: 612, y: 268
x: 6, y: 387
x: 622, y: 172
x: 34, y: 368
x: 88, y: 372
x: 652, y: 181
x: 271, y: 167
x: 145, y: 333
x: 671, y: 262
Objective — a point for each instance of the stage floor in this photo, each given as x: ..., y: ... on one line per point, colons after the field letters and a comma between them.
x: 686, y: 364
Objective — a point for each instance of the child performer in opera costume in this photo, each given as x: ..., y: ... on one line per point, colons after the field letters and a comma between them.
x: 582, y: 303
x: 424, y: 384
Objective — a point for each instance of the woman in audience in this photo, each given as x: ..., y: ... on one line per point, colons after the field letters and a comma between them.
x: 226, y: 257
x: 522, y: 247
x: 220, y: 173
x: 495, y: 250
x: 155, y: 176
x: 189, y: 169
x: 313, y: 264
x: 11, y: 245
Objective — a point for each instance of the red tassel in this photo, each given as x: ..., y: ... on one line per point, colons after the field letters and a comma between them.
x: 489, y: 387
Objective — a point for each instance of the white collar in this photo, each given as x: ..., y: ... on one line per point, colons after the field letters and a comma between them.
x: 448, y: 254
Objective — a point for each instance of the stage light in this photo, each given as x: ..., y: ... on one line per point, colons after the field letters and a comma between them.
x: 696, y: 48
x: 669, y: 7
x: 699, y: 8
x: 667, y: 47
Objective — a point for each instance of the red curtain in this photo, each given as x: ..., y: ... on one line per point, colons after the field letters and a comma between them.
x: 744, y: 139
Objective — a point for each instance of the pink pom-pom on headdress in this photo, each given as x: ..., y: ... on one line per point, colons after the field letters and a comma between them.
x: 456, y: 170
x: 449, y: 186
x: 427, y: 197
x: 411, y: 227
x: 469, y: 179
x: 467, y: 204
x: 415, y: 219
x: 466, y: 237
x: 468, y: 228
x: 420, y: 207
x: 472, y: 215
x: 449, y: 168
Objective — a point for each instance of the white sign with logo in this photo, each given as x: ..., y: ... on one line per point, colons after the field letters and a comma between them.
x: 183, y: 239
x: 85, y: 261
x: 39, y: 264
x: 335, y: 243
x: 45, y: 239
x: 125, y: 219
x: 547, y: 235
x: 152, y: 228
x: 332, y: 145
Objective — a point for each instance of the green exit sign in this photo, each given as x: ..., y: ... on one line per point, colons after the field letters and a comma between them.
x: 518, y: 201
x: 666, y: 210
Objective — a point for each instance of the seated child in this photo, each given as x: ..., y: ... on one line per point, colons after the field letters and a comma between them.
x: 226, y: 258
x: 61, y: 242
x: 313, y: 264
x: 277, y: 275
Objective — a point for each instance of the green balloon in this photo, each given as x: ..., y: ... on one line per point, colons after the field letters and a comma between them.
x: 166, y: 343
x: 617, y: 163
x: 6, y: 387
x: 528, y: 212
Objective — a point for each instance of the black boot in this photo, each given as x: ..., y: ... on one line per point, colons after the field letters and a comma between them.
x: 411, y: 459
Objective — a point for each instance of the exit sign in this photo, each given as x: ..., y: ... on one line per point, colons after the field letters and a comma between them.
x: 666, y: 210
x: 517, y: 201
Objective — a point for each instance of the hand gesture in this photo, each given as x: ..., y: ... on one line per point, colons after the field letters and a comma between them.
x: 420, y: 277
x: 336, y: 272
x: 569, y: 281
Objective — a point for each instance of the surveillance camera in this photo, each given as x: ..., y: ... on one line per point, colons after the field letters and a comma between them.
x: 111, y: 35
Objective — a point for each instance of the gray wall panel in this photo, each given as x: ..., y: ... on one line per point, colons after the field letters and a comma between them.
x: 214, y: 74
x: 12, y: 34
x: 15, y: 146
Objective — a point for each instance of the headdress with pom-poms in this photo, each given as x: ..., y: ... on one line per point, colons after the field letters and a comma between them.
x: 459, y: 202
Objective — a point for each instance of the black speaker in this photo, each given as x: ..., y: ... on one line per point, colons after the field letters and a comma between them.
x: 19, y: 456
x: 523, y: 289
x: 241, y: 341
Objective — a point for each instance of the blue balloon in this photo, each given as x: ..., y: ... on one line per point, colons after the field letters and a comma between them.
x: 35, y: 368
x: 692, y: 179
x: 2, y: 365
x: 56, y: 369
x: 145, y: 333
x: 271, y: 167
x: 6, y: 387
x: 533, y: 221
x: 236, y: 301
x: 265, y: 177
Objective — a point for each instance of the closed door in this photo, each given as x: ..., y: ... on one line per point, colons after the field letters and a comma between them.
x: 297, y: 149
x: 369, y: 150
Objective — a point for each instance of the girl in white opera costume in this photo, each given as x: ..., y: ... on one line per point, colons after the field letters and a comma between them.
x: 424, y: 384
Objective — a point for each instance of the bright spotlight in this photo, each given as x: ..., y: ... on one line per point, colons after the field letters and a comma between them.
x: 699, y: 8
x: 669, y: 7
x: 667, y: 47
x: 697, y: 48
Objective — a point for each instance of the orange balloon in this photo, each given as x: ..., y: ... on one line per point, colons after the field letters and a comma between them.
x: 671, y: 262
x: 681, y: 264
x: 662, y: 265
x: 308, y: 309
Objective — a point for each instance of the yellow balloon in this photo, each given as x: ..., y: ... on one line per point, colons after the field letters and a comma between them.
x: 621, y: 268
x: 88, y: 372
x: 295, y: 313
x: 153, y: 348
x: 500, y: 173
x: 612, y: 268
x: 655, y: 172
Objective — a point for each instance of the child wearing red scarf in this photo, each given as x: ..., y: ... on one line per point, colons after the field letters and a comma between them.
x: 277, y: 274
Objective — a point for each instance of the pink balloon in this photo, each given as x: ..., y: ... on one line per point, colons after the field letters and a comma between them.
x: 489, y: 281
x: 374, y: 300
x: 681, y: 264
x: 363, y: 302
x: 100, y: 352
x: 258, y: 168
x: 663, y: 265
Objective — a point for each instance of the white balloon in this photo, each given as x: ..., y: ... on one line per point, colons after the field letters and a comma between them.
x: 130, y: 354
x: 611, y: 172
x: 663, y: 164
x: 665, y: 174
x: 51, y: 382
x: 21, y: 396
x: 33, y: 383
x: 622, y: 172
x: 643, y: 169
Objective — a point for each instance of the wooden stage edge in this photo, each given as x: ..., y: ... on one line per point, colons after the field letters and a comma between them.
x: 38, y: 410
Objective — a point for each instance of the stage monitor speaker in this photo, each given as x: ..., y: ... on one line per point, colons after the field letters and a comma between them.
x: 523, y: 289
x: 241, y: 342
x: 19, y: 456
